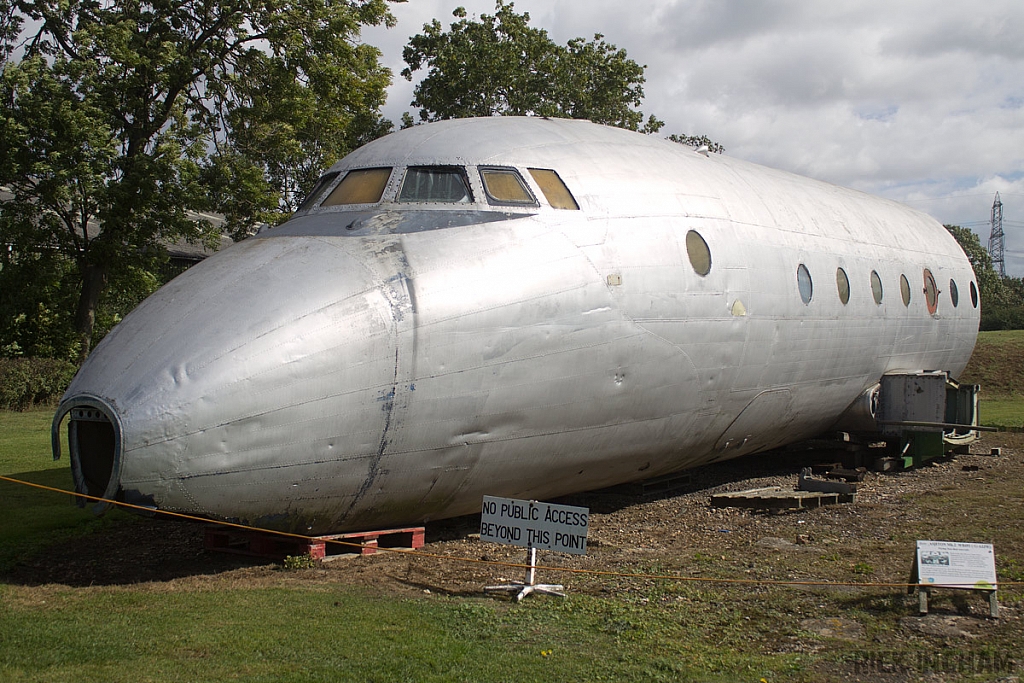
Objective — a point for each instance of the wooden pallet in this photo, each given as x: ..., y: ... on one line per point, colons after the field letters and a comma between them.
x: 777, y: 498
x: 256, y: 543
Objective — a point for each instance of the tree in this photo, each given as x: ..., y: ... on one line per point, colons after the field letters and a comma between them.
x: 698, y: 141
x: 121, y: 120
x: 989, y: 284
x: 1002, y: 299
x: 500, y: 65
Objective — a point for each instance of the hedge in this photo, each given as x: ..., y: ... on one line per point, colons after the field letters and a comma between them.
x: 25, y: 382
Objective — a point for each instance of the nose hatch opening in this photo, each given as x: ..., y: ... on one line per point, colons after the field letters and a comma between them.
x: 94, y: 442
x: 91, y: 439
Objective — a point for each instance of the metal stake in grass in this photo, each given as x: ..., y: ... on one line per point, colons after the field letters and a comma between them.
x: 522, y: 589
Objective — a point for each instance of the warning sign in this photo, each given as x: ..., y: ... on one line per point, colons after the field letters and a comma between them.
x: 530, y: 524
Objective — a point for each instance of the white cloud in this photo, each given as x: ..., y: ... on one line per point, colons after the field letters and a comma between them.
x: 915, y: 100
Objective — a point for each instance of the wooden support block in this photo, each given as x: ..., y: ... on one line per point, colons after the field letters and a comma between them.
x: 258, y: 543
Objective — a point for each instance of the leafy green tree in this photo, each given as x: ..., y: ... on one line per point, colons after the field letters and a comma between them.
x: 698, y: 141
x: 121, y: 120
x: 10, y: 28
x: 989, y: 284
x: 500, y: 65
x: 1002, y: 299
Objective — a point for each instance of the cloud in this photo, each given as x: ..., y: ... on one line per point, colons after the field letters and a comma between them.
x: 916, y: 100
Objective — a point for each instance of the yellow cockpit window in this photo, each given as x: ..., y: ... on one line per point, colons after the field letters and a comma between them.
x: 505, y: 186
x: 554, y: 189
x: 362, y: 186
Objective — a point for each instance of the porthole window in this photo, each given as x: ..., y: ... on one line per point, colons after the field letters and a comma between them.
x: 843, y: 285
x: 974, y: 295
x: 803, y: 281
x: 954, y: 293
x: 931, y: 292
x: 876, y: 287
x: 905, y: 289
x: 699, y: 253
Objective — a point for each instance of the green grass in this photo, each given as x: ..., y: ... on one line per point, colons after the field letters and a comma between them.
x: 997, y: 364
x: 1007, y: 413
x: 348, y: 635
x: 25, y: 441
x: 32, y: 518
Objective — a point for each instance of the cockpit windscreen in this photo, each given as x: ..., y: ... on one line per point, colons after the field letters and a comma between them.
x: 435, y: 184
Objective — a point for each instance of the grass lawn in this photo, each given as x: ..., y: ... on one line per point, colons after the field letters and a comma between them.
x: 33, y: 518
x: 1005, y: 412
x: 997, y: 364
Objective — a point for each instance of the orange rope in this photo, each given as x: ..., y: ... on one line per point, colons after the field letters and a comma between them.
x: 496, y: 563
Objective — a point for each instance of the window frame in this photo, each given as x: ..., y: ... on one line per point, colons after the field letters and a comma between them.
x: 322, y: 203
x: 449, y: 168
x: 514, y: 172
x: 704, y: 251
x: 319, y: 191
x: 843, y: 285
x: 803, y: 274
x: 905, y: 292
x: 548, y: 197
x: 877, y: 289
x: 931, y: 292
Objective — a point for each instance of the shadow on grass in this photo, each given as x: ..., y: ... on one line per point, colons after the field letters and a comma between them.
x: 45, y: 538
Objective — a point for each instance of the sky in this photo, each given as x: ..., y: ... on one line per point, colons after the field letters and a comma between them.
x: 913, y: 100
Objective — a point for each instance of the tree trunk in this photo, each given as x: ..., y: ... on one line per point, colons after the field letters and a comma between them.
x: 94, y: 281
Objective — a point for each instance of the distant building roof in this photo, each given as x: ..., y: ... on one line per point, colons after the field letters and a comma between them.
x: 179, y: 250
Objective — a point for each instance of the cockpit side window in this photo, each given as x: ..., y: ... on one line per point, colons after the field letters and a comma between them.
x: 361, y: 186
x: 318, y: 190
x: 554, y: 189
x: 445, y: 184
x: 504, y: 186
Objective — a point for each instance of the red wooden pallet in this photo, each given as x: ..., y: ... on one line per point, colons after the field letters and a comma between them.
x: 264, y: 544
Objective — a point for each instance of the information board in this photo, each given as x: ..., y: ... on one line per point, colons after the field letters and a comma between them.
x: 530, y: 524
x: 956, y: 565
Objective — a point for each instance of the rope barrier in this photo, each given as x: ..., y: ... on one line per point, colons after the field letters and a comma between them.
x: 471, y: 560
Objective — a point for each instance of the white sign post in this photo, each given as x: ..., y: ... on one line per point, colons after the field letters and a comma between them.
x: 531, y: 524
x: 948, y: 564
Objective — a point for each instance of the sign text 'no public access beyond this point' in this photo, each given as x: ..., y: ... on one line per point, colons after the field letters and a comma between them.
x: 530, y: 524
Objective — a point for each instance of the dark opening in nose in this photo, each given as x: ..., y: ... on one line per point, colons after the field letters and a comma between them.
x: 92, y: 442
x: 95, y: 442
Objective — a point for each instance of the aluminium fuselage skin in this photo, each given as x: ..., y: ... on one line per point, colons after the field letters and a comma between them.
x: 374, y: 364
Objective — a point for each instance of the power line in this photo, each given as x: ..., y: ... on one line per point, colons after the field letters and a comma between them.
x: 954, y: 196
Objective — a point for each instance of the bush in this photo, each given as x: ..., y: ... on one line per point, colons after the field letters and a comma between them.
x: 1002, y: 318
x: 25, y: 382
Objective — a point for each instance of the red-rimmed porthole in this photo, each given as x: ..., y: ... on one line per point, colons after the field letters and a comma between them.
x: 931, y: 292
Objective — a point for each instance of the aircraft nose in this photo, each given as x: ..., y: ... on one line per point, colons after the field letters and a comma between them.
x: 276, y: 355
